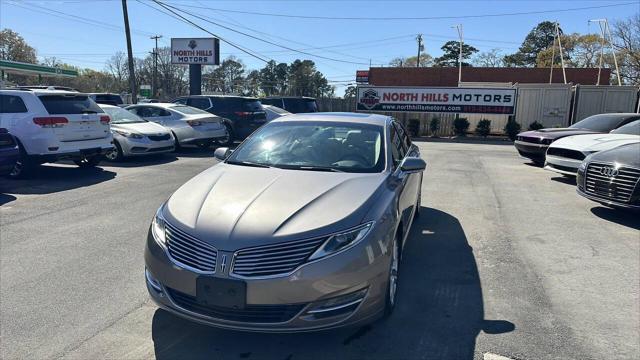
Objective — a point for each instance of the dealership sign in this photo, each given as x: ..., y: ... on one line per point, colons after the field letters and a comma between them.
x: 362, y: 76
x: 437, y: 99
x: 203, y: 51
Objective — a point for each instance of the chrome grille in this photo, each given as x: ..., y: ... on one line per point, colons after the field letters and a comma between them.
x: 187, y: 250
x: 617, y: 188
x: 276, y: 259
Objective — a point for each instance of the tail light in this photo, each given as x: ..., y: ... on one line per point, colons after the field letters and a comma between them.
x: 105, y: 119
x: 243, y: 113
x: 50, y: 122
x: 194, y: 122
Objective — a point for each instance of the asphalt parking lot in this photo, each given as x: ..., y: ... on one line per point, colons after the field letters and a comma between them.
x: 505, y: 259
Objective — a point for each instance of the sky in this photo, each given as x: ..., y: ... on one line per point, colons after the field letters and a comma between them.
x: 86, y: 33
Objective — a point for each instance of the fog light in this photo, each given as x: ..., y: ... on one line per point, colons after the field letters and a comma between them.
x: 152, y: 281
x: 337, y: 306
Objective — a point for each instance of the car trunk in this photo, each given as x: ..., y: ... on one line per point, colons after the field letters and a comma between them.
x: 84, y: 119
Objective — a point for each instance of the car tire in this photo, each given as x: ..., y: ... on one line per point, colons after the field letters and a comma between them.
x: 392, y: 283
x: 177, y: 146
x: 115, y: 154
x: 23, y: 166
x: 227, y: 141
x: 89, y: 162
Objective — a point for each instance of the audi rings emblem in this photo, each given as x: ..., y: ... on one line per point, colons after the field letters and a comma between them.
x: 609, y: 171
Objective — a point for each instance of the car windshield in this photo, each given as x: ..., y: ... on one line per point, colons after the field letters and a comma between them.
x: 632, y: 128
x: 601, y: 122
x: 313, y: 146
x: 109, y: 99
x: 69, y: 104
x: 122, y: 116
x: 188, y: 110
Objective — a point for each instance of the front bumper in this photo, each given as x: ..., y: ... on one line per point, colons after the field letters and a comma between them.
x: 144, y: 146
x: 562, y: 165
x: 607, y: 202
x: 190, y: 135
x: 531, y: 151
x: 343, y: 275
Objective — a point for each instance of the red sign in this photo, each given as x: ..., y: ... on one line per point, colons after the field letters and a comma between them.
x: 362, y: 76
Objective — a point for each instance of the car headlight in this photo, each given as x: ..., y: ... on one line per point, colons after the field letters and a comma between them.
x: 342, y: 241
x: 157, y: 228
x: 129, y: 134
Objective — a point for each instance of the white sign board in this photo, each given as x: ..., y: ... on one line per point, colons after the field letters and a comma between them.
x: 437, y: 100
x: 203, y: 51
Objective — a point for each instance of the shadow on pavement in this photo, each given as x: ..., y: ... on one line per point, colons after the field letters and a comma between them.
x: 569, y: 180
x: 6, y: 198
x: 438, y: 316
x: 47, y: 179
x: 147, y: 160
x: 619, y: 216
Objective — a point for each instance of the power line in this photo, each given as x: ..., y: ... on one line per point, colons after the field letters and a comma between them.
x: 183, y: 19
x: 413, y: 18
x: 257, y: 38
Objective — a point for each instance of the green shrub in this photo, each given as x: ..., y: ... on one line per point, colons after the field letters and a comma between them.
x: 414, y: 127
x: 434, y: 126
x: 483, y: 128
x: 535, y: 126
x: 460, y: 126
x: 512, y: 128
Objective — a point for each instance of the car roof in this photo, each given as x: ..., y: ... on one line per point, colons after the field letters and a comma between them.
x: 40, y: 92
x: 347, y: 117
x: 290, y: 97
x: 159, y: 104
x: 109, y: 106
x: 218, y: 96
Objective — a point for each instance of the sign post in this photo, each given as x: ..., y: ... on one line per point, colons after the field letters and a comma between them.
x: 195, y: 52
x: 436, y: 100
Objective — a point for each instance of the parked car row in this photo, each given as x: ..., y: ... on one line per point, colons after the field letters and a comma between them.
x: 48, y: 124
x: 602, y: 150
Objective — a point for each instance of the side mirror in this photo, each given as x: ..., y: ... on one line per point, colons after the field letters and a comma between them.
x: 222, y: 153
x: 413, y: 165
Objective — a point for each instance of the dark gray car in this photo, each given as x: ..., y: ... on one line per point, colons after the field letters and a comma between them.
x: 612, y: 177
x: 300, y: 228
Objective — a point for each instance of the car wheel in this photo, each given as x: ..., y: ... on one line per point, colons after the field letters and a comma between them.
x: 114, y: 154
x: 23, y: 166
x: 89, y: 162
x: 176, y: 146
x: 392, y: 284
x: 226, y: 141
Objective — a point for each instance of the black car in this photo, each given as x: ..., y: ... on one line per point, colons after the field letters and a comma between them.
x: 107, y: 99
x: 242, y: 115
x: 293, y: 104
x: 533, y: 144
x: 9, y: 152
x: 612, y: 177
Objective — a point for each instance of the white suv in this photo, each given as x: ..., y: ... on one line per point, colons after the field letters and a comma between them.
x: 51, y: 125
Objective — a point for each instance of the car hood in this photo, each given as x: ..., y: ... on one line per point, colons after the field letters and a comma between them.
x: 595, y: 142
x: 556, y: 133
x: 233, y: 206
x: 144, y: 128
x: 625, y: 155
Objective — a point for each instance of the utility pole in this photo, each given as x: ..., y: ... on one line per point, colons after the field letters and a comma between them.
x: 604, y: 31
x: 459, y: 28
x: 420, y: 48
x: 564, y: 73
x: 154, y: 86
x: 132, y: 76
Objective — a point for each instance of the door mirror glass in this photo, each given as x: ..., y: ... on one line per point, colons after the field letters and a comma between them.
x: 413, y: 165
x: 222, y: 153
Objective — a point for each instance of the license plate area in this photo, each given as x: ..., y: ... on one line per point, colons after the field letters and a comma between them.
x: 228, y: 293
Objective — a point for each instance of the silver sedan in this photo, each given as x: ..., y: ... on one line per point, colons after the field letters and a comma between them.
x: 134, y: 136
x: 189, y: 125
x: 300, y: 228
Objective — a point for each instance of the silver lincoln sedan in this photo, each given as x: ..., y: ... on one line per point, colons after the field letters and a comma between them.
x: 300, y: 228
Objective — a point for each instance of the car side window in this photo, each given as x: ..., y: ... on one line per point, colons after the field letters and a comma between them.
x: 11, y: 104
x: 402, y: 139
x: 397, y: 153
x: 200, y: 103
x: 406, y: 140
x: 157, y: 112
x: 181, y: 101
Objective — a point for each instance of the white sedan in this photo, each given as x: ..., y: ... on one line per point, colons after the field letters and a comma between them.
x: 274, y: 112
x: 565, y: 155
x: 188, y: 125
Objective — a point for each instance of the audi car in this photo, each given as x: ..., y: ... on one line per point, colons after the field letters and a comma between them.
x: 612, y: 177
x: 533, y: 144
x: 301, y: 228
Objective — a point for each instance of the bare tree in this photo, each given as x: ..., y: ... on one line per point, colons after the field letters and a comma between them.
x: 491, y: 58
x: 626, y: 40
x: 117, y: 67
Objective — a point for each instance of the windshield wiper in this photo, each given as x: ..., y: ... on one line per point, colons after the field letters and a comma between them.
x: 248, y: 163
x: 310, y: 168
